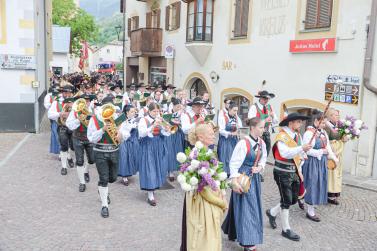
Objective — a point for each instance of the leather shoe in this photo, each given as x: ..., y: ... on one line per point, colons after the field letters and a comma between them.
x: 125, y: 182
x: 105, y: 212
x: 313, y: 218
x: 334, y: 202
x: 301, y: 204
x: 253, y: 248
x: 70, y: 163
x: 82, y: 188
x: 63, y: 171
x: 271, y: 219
x: 289, y: 234
x: 87, y: 177
x: 171, y: 178
x: 261, y: 178
x: 153, y: 203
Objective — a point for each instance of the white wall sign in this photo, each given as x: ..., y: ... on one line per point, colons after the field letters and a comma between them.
x: 10, y: 61
x: 169, y: 51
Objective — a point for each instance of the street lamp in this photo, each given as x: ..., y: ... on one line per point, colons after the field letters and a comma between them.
x: 119, y: 29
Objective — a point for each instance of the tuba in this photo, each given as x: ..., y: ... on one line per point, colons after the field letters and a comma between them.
x: 66, y: 108
x: 82, y: 111
x: 108, y: 110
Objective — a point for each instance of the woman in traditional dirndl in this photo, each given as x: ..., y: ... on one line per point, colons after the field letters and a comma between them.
x: 129, y: 151
x: 176, y: 141
x: 314, y: 168
x: 228, y: 129
x: 244, y: 221
x: 152, y: 169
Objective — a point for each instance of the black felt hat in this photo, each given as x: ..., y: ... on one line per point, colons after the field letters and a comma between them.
x: 265, y: 94
x: 197, y: 101
x: 292, y: 117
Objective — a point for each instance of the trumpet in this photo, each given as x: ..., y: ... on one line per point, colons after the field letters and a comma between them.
x: 210, y: 122
x: 171, y: 128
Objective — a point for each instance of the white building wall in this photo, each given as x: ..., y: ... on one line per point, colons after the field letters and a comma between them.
x: 266, y: 57
x: 60, y: 60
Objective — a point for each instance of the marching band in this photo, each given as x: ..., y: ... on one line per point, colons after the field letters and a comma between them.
x: 142, y: 129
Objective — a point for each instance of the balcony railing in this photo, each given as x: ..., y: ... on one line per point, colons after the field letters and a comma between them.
x: 146, y: 42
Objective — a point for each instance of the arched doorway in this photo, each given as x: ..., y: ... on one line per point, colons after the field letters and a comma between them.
x: 303, y: 106
x: 242, y: 98
x: 196, y: 85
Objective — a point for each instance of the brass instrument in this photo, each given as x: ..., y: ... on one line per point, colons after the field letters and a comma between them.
x: 108, y: 110
x: 209, y: 122
x: 66, y: 108
x: 82, y: 111
x: 172, y: 128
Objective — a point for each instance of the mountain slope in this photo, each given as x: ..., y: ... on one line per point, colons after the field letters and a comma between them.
x: 100, y: 8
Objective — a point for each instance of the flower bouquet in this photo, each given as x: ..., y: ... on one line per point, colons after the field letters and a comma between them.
x: 199, y: 168
x: 350, y: 127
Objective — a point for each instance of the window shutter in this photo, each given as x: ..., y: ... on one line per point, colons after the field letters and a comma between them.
x: 178, y: 14
x: 311, y: 14
x: 167, y: 17
x: 325, y: 13
x: 244, y: 17
x: 129, y: 27
x: 158, y: 18
x: 149, y: 20
x: 237, y: 18
x: 136, y: 22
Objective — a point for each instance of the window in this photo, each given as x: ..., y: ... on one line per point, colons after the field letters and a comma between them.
x: 173, y: 16
x: 318, y: 14
x: 133, y: 24
x: 200, y: 20
x: 241, y: 18
x: 153, y: 19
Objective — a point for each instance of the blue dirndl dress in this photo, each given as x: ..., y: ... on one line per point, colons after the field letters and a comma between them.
x: 226, y: 146
x: 129, y: 155
x: 175, y: 143
x: 244, y: 221
x: 316, y: 175
x: 153, y: 168
x: 54, y: 139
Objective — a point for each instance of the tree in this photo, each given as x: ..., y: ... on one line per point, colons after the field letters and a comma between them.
x: 83, y: 26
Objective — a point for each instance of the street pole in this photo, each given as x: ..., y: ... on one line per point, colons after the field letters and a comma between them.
x: 124, y: 44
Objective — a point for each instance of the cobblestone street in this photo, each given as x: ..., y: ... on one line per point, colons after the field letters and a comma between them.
x: 42, y: 210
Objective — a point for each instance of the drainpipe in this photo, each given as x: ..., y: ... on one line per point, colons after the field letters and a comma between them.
x: 368, y: 63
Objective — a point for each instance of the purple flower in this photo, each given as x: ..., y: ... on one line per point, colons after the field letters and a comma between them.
x: 207, y: 177
x: 214, y: 161
x: 204, y: 164
x: 194, y: 154
x: 184, y: 167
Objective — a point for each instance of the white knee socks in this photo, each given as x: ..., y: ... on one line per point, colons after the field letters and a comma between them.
x: 80, y: 173
x: 86, y: 167
x: 285, y: 219
x: 311, y: 210
x: 103, y: 192
x: 150, y: 195
x: 275, y: 210
x: 64, y: 157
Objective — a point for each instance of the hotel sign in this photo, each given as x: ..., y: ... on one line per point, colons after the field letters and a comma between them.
x: 313, y: 45
x: 19, y: 62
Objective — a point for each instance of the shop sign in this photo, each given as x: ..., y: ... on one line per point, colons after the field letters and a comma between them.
x: 21, y: 62
x: 342, y: 89
x: 313, y: 45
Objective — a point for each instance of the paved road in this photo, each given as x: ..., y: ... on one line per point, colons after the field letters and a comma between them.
x: 42, y: 210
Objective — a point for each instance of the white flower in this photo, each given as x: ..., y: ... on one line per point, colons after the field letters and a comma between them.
x: 181, y: 157
x: 186, y: 187
x: 347, y: 131
x: 211, y: 171
x: 195, y: 164
x: 194, y: 181
x: 357, y: 132
x: 358, y: 124
x: 190, y: 168
x: 223, y: 176
x: 348, y: 123
x: 181, y: 178
x: 342, y: 121
x: 202, y: 171
x: 217, y: 183
x: 199, y: 145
